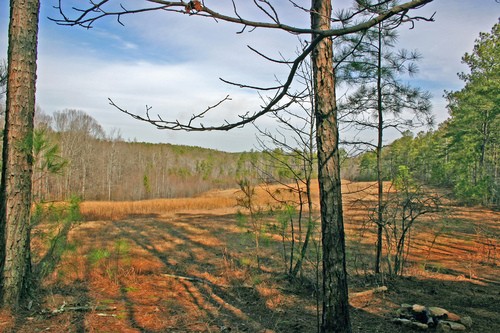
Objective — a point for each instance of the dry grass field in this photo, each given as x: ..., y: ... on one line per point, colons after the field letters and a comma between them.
x: 187, y: 265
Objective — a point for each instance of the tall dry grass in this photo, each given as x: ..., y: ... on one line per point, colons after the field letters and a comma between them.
x: 115, y: 210
x: 213, y: 200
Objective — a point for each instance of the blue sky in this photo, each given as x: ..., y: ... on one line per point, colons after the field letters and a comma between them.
x: 173, y: 63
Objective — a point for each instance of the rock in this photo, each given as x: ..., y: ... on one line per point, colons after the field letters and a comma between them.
x: 457, y: 326
x: 443, y: 327
x: 400, y: 312
x: 410, y: 323
x: 404, y: 313
x: 466, y: 321
x: 417, y: 308
x: 438, y: 312
x: 453, y: 317
x: 452, y: 326
x: 402, y: 321
x: 422, y: 326
x: 423, y: 316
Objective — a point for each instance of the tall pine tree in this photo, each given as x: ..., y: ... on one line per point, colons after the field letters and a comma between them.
x: 381, y: 99
x: 15, y: 190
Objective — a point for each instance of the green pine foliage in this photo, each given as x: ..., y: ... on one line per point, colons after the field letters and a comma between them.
x: 463, y: 154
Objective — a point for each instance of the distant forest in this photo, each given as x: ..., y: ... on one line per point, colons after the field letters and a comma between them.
x: 73, y: 156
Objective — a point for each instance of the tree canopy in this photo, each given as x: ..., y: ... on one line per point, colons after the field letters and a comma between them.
x: 473, y: 129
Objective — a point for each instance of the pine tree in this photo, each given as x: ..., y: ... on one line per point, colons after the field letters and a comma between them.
x: 16, y: 185
x: 381, y: 100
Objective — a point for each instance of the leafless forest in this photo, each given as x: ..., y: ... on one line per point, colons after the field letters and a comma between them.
x: 101, y: 166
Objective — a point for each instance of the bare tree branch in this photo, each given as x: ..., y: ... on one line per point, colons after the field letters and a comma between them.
x: 96, y: 10
x: 244, y: 119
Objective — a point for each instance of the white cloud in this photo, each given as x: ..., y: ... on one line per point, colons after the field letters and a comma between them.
x: 443, y: 43
x: 173, y: 91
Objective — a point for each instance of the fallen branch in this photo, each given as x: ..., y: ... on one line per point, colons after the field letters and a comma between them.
x: 187, y: 278
x: 64, y: 308
x: 200, y: 280
x: 369, y: 292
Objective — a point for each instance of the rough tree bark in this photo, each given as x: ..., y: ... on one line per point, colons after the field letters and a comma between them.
x: 17, y: 151
x: 335, y: 293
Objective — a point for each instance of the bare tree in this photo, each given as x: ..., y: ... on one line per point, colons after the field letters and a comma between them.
x: 77, y: 130
x: 17, y: 157
x: 291, y: 159
x: 114, y: 137
x: 335, y: 298
x: 407, y: 205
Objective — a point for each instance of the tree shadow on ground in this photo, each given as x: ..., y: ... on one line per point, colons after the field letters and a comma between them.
x: 196, y: 264
x: 191, y: 273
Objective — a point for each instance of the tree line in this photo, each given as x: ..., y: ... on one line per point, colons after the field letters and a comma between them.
x: 106, y: 167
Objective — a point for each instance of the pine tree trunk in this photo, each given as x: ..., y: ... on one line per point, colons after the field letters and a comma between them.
x: 380, y: 131
x: 17, y: 150
x: 335, y: 294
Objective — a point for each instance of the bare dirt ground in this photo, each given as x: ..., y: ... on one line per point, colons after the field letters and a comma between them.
x: 192, y: 269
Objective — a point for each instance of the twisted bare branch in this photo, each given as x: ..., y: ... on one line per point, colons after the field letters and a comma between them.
x: 282, y: 98
x: 97, y: 10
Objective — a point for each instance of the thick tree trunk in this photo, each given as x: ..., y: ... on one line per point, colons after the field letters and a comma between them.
x: 335, y: 294
x: 17, y: 150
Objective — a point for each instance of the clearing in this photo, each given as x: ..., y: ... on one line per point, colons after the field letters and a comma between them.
x: 187, y: 265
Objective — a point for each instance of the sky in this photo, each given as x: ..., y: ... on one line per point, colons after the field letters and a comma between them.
x: 173, y: 63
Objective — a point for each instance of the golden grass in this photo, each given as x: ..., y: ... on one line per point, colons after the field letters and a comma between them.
x: 357, y: 197
x: 225, y: 200
x: 116, y: 210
